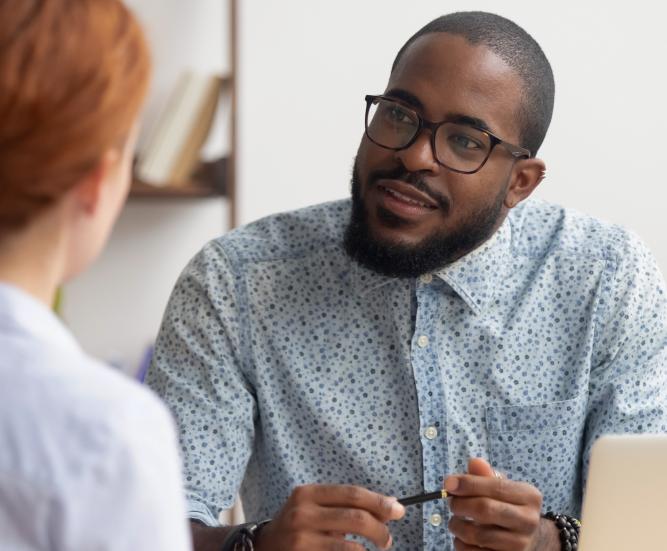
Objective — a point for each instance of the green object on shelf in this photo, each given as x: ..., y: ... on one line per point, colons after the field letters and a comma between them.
x: 58, y: 301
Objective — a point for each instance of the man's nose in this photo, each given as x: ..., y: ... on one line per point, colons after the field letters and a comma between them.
x: 419, y: 156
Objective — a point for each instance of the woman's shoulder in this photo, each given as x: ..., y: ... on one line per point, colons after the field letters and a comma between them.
x: 64, y: 415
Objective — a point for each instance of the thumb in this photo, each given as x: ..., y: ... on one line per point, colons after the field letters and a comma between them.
x: 479, y: 467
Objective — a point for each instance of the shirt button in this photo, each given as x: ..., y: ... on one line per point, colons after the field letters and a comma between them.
x: 426, y: 278
x: 422, y: 341
x: 435, y: 519
x: 431, y: 433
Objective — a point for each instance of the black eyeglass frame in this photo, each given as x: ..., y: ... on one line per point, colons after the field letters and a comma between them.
x: 433, y: 127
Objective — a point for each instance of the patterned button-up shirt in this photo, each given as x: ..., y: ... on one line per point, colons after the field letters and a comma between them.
x: 286, y: 364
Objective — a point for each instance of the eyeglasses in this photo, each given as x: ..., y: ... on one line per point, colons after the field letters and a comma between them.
x: 459, y: 147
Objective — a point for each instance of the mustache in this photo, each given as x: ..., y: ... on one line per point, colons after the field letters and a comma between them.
x: 414, y: 179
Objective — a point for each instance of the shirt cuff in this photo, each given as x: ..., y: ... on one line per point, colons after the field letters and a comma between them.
x: 199, y: 511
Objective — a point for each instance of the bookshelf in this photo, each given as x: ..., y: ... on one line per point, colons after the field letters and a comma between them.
x: 210, y: 180
x: 194, y: 190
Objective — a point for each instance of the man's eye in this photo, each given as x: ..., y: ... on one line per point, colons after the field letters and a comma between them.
x: 398, y: 114
x: 465, y: 142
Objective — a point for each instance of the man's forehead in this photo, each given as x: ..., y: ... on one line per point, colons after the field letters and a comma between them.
x: 448, y: 74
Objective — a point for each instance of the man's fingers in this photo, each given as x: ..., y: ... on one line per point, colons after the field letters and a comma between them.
x: 332, y: 511
x: 480, y: 467
x: 501, y: 489
x: 460, y: 545
x: 319, y: 517
x: 304, y: 522
x: 308, y: 542
x: 506, y: 513
x: 485, y: 510
x: 354, y: 521
x: 384, y: 508
x: 475, y: 535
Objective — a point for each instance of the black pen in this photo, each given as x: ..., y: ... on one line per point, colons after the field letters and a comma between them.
x: 423, y: 498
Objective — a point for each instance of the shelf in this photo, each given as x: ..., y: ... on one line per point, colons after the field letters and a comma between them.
x: 191, y: 190
x: 207, y: 181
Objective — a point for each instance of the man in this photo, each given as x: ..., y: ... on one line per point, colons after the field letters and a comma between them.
x: 439, y: 329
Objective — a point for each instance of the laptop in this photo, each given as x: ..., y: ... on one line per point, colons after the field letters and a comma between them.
x: 625, y: 505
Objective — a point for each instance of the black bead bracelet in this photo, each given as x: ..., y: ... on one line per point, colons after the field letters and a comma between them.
x: 568, y: 530
x: 242, y: 536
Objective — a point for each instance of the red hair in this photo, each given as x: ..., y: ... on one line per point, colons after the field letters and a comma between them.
x: 73, y: 75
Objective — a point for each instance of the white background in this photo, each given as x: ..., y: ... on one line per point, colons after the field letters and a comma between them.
x: 304, y: 63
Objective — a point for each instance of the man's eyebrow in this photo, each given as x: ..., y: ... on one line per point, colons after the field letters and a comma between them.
x: 404, y: 96
x: 466, y: 119
x: 411, y: 99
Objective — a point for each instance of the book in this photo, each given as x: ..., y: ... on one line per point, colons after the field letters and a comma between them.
x: 172, y: 150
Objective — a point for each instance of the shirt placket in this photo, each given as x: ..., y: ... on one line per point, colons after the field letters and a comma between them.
x: 432, y: 415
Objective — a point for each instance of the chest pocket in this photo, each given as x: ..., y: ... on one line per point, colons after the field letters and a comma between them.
x: 541, y: 445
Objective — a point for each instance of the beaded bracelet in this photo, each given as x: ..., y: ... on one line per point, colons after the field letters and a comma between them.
x: 242, y: 536
x: 568, y: 530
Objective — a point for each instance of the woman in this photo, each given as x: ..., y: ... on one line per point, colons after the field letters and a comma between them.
x: 88, y: 459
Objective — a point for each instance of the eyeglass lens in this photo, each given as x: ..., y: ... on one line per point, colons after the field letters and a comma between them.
x: 457, y: 146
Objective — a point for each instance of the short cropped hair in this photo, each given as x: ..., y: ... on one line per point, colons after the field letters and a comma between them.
x: 520, y: 51
x: 73, y: 75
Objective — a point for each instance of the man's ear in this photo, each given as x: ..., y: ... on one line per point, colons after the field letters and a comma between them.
x: 526, y: 176
x: 89, y: 191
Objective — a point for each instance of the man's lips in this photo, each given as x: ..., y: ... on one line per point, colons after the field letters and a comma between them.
x: 407, y: 193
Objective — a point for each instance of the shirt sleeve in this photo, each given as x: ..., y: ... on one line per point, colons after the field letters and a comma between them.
x: 198, y: 369
x: 628, y: 381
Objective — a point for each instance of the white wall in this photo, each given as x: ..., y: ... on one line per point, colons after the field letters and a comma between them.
x: 115, y: 308
x: 304, y: 61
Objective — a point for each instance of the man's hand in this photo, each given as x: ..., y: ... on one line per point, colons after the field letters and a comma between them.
x: 317, y: 517
x: 505, y: 513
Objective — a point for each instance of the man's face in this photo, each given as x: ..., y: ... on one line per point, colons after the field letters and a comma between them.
x: 442, y: 77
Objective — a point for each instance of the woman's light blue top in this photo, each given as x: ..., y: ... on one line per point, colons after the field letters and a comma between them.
x: 88, y: 458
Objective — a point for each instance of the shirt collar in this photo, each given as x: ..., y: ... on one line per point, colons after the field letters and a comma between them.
x: 472, y: 276
x: 475, y: 275
x: 22, y: 313
x: 366, y: 280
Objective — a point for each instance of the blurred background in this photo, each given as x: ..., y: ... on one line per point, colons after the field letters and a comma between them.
x: 301, y: 69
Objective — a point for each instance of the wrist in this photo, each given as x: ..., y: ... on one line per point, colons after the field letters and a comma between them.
x: 548, y: 539
x: 243, y: 536
x: 207, y: 538
x: 263, y: 538
x: 567, y: 529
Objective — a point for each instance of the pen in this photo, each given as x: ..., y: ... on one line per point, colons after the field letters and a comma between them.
x: 423, y: 498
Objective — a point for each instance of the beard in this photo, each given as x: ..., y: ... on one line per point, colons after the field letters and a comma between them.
x: 407, y: 260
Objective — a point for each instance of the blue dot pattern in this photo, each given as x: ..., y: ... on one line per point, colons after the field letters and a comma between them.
x: 286, y: 364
